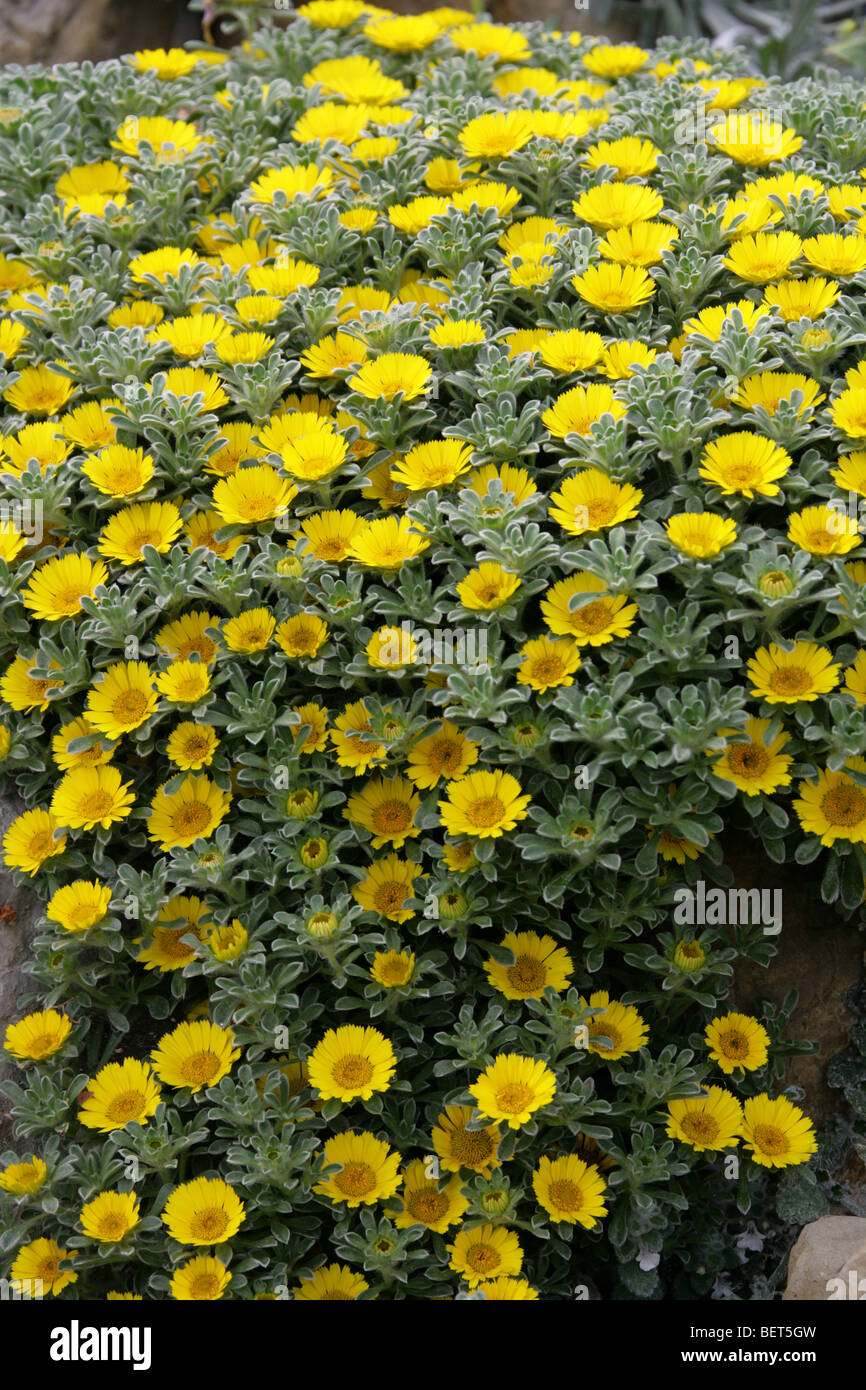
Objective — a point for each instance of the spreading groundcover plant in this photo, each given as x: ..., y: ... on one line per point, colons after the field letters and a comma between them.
x: 432, y: 462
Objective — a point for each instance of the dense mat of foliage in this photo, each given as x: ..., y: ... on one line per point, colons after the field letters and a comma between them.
x: 431, y: 485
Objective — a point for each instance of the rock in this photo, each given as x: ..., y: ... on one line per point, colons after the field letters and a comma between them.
x: 22, y: 909
x: 833, y: 1248
x: 819, y: 954
x: 68, y: 31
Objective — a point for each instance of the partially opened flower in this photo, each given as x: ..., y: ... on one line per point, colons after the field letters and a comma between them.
x: 110, y: 1216
x: 368, y: 1170
x: 203, y: 1279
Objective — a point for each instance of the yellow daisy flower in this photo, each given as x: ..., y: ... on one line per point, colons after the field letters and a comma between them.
x: 204, y: 1278
x: 23, y: 1179
x: 387, y: 809
x: 776, y: 1132
x: 824, y: 530
x: 350, y: 1063
x: 763, y: 256
x: 570, y: 1190
x: 253, y: 494
x: 125, y: 535
x: 539, y: 963
x: 302, y: 636
x: 37, y: 1036
x: 700, y: 534
x: 388, y: 543
x: 191, y: 813
x: 191, y: 746
x: 110, y: 1216
x: 618, y: 1029
x: 332, y: 1283
x: 512, y: 1088
x: 368, y: 1169
x: 32, y: 838
x: 484, y: 804
x: 710, y: 1122
x: 834, y: 807
x: 427, y: 1201
x: 457, y: 1146
x: 737, y: 1043
x: 393, y: 969
x: 195, y: 1055
x: 607, y: 205
x: 88, y: 797
x: 613, y: 288
x: 206, y: 1211
x: 754, y: 766
x: 446, y: 753
x: 579, y: 409
x: 744, y: 464
x: 36, y: 1269
x: 79, y: 905
x: 388, y: 884
x: 393, y: 373
x: 124, y: 699
x: 487, y: 588
x: 548, y: 663
x: 804, y: 673
x: 591, y: 501
x: 120, y: 1092
x: 485, y: 1252
x: 594, y: 623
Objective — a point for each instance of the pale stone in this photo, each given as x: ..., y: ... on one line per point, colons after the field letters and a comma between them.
x: 825, y: 1250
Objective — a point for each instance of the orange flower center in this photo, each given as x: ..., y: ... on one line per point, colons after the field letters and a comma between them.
x: 389, y: 897
x: 748, y: 759
x: 700, y: 1127
x: 209, y: 1224
x: 200, y: 1067
x: 485, y: 812
x: 527, y: 974
x: 471, y: 1147
x: 129, y: 1105
x: 482, y: 1258
x: 352, y: 1071
x: 428, y: 1205
x: 844, y: 805
x: 770, y: 1140
x: 191, y: 817
x: 733, y: 1044
x: 790, y: 680
x: 566, y: 1195
x: 592, y: 618
x: 392, y: 817
x: 355, y: 1179
x: 130, y: 707
x: 514, y: 1098
x: 112, y: 1226
x: 204, y: 1286
x: 95, y: 805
